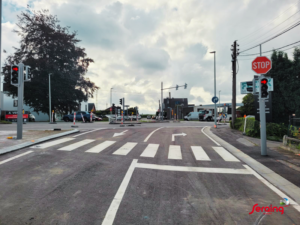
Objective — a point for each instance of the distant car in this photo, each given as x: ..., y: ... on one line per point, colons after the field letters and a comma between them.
x: 79, y: 115
x: 149, y: 117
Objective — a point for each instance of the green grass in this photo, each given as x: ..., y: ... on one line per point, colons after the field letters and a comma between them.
x: 5, y: 122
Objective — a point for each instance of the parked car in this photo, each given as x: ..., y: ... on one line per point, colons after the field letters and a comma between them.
x: 149, y: 117
x: 79, y: 115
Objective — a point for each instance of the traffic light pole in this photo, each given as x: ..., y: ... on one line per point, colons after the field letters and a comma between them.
x: 262, y: 114
x: 20, y: 101
x: 123, y: 108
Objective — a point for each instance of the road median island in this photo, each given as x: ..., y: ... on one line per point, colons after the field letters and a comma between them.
x: 30, y: 137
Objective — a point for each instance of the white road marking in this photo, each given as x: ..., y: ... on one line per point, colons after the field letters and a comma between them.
x: 12, y: 158
x: 114, y: 206
x: 210, y: 137
x: 52, y: 143
x: 227, y: 156
x: 89, y: 132
x: 173, y: 135
x: 125, y: 149
x: 174, y: 152
x: 199, y: 153
x: 76, y: 145
x: 192, y: 169
x: 273, y: 188
x: 146, y: 139
x: 101, y: 147
x: 150, y: 150
x: 119, y: 134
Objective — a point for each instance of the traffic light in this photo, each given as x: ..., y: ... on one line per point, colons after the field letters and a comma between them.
x: 121, y: 100
x: 250, y: 86
x: 176, y: 87
x: 28, y: 74
x: 264, y: 88
x: 14, y: 75
x: 185, y: 86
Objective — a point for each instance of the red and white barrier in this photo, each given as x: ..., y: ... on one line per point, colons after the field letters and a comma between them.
x: 122, y: 118
x: 74, y: 118
x: 82, y: 118
x: 137, y: 118
x: 91, y: 117
x: 51, y: 118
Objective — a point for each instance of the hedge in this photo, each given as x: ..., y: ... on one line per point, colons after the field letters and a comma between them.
x: 253, y: 128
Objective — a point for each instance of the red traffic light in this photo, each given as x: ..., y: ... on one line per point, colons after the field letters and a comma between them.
x: 264, y: 81
x: 15, y: 68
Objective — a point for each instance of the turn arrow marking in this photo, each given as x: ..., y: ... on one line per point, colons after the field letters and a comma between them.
x: 119, y: 134
x: 173, y: 136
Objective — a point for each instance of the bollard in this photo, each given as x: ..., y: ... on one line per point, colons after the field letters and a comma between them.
x: 122, y: 118
x: 90, y: 117
x: 74, y: 118
x: 82, y: 118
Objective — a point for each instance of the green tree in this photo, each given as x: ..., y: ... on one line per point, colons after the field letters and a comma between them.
x: 49, y: 48
x: 248, y: 107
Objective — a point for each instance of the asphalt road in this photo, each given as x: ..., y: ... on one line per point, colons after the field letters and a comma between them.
x: 134, y: 175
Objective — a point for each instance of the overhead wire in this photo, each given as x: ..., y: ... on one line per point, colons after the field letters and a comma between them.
x: 257, y: 38
x: 277, y: 35
x: 266, y: 24
x: 273, y: 49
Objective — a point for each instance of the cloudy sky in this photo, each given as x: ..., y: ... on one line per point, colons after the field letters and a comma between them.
x: 137, y: 45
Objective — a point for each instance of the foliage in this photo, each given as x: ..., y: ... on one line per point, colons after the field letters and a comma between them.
x: 294, y: 132
x: 274, y: 131
x: 248, y: 107
x: 5, y: 122
x: 49, y: 48
x: 286, y: 94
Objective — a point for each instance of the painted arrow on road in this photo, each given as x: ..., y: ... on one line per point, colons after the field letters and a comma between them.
x: 119, y: 134
x: 173, y: 136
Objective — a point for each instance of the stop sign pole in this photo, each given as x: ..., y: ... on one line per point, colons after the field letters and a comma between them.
x: 261, y: 65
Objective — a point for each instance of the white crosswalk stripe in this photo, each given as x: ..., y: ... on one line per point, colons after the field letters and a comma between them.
x: 150, y: 151
x: 76, y: 145
x: 125, y: 149
x: 174, y: 152
x: 101, y: 147
x: 225, y: 154
x: 199, y: 153
x: 52, y: 143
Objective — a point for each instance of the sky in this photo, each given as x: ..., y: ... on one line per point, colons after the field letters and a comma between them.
x: 136, y: 45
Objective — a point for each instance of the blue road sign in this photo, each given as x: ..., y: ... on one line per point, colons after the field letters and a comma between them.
x: 215, y: 99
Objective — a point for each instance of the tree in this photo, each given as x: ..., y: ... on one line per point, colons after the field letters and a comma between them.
x: 248, y: 107
x: 50, y: 49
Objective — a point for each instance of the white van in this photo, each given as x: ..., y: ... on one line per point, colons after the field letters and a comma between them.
x: 192, y: 116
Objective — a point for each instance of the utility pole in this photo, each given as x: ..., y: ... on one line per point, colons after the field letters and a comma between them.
x: 50, y: 98
x: 234, y: 56
x: 20, y: 101
x: 161, y: 112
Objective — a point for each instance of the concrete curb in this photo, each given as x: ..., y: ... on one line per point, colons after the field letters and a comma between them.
x: 29, y: 143
x: 289, y: 188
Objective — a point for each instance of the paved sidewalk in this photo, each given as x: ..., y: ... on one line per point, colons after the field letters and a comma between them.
x: 283, y: 162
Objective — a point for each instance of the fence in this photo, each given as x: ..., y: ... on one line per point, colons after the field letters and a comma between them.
x: 294, y: 128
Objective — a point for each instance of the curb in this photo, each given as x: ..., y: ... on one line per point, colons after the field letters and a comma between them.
x: 275, y: 179
x: 29, y: 143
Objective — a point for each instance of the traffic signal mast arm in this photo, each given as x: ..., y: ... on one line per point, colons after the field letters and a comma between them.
x: 185, y: 85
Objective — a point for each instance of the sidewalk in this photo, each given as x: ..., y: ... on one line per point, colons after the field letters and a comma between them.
x: 282, y: 162
x: 30, y: 137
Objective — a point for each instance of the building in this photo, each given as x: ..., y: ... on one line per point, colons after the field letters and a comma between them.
x: 177, y: 105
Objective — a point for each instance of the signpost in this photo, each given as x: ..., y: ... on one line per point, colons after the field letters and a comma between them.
x: 215, y: 99
x: 261, y: 65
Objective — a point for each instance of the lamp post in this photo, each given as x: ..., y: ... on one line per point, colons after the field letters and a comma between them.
x: 220, y: 99
x: 50, y: 98
x: 215, y: 117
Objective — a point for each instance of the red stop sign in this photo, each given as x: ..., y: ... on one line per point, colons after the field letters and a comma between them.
x: 261, y: 65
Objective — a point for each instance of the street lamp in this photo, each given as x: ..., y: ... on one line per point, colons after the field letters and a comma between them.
x: 50, y: 98
x: 215, y: 117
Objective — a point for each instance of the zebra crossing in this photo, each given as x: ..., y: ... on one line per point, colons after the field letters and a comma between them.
x: 174, y: 151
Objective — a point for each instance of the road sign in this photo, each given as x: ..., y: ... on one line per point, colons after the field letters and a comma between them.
x: 246, y: 87
x: 261, y: 65
x: 215, y: 99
